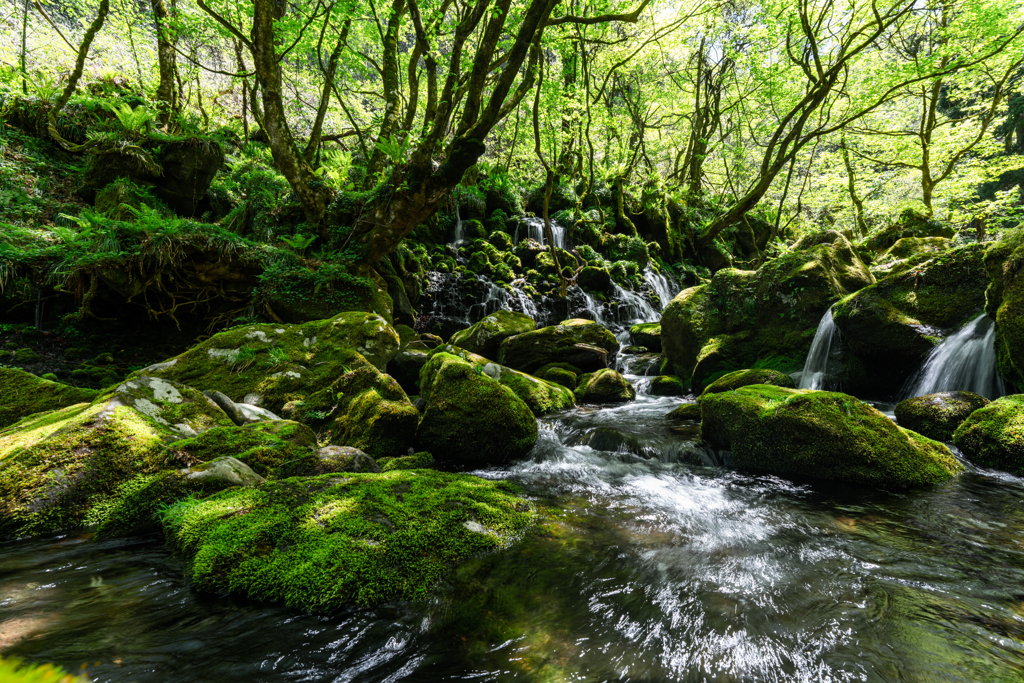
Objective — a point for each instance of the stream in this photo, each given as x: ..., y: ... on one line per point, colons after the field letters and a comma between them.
x: 649, y: 563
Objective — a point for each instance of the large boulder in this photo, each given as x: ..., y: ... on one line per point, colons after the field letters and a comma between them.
x: 23, y: 394
x: 1004, y: 302
x: 582, y: 343
x: 891, y: 326
x: 485, y: 337
x: 604, y: 386
x: 272, y: 449
x: 323, y: 543
x: 271, y: 365
x: 938, y: 415
x: 470, y: 416
x: 769, y: 315
x: 647, y: 335
x: 820, y: 435
x: 993, y: 436
x: 362, y: 409
x: 744, y: 378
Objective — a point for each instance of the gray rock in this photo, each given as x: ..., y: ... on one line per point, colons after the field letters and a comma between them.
x: 227, y: 471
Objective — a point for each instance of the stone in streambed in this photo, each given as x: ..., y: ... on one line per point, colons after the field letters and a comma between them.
x: 820, y: 435
x: 582, y: 343
x: 938, y: 415
x: 687, y: 411
x: 485, y: 337
x: 604, y: 386
x: 993, y: 436
x: 667, y: 385
x: 647, y: 335
x: 743, y: 378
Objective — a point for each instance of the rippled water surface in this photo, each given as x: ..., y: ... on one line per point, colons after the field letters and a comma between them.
x: 650, y: 564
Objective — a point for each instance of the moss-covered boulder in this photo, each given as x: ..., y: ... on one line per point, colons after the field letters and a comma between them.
x: 744, y: 378
x: 769, y: 315
x: 322, y: 543
x: 596, y: 280
x: 1004, y: 303
x: 910, y: 224
x: 993, y: 436
x: 272, y: 449
x: 416, y: 461
x: 687, y: 412
x: 647, y: 335
x: 561, y: 377
x: 485, y: 337
x: 334, y: 459
x: 181, y: 409
x: 582, y: 343
x: 271, y: 365
x: 909, y: 247
x: 604, y: 386
x: 23, y: 394
x: 891, y: 326
x: 362, y: 409
x: 667, y: 385
x: 470, y: 416
x: 938, y: 415
x: 820, y: 435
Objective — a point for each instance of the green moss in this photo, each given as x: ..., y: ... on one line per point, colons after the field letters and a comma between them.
x: 937, y: 416
x: 820, y: 435
x: 23, y: 394
x: 470, y: 416
x: 667, y: 385
x: 416, y: 461
x: 910, y: 224
x: 604, y: 386
x: 1004, y: 302
x: 993, y: 436
x: 272, y: 449
x: 647, y: 335
x: 326, y: 542
x: 485, y: 337
x: 687, y: 411
x: 283, y: 363
x: 743, y: 378
x: 562, y: 377
x: 26, y: 355
x: 15, y: 671
x: 582, y: 343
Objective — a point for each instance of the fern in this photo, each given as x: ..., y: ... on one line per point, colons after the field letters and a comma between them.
x: 134, y: 120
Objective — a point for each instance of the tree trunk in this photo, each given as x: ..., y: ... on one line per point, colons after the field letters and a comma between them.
x: 851, y: 186
x: 76, y: 73
x: 166, y: 92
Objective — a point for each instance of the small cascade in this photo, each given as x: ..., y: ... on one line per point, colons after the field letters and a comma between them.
x: 633, y: 308
x: 663, y: 285
x: 533, y: 228
x: 813, y: 376
x: 965, y: 361
x: 460, y: 231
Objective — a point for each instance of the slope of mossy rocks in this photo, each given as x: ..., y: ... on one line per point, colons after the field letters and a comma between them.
x: 1004, y: 303
x: 647, y: 335
x: 582, y: 343
x: 604, y: 386
x: 743, y: 378
x: 469, y: 416
x: 23, y: 394
x: 55, y: 466
x: 362, y: 408
x: 891, y: 326
x: 938, y: 415
x: 820, y: 435
x: 993, y: 436
x: 744, y: 318
x: 485, y: 337
x: 327, y: 542
x: 272, y: 449
x: 270, y: 365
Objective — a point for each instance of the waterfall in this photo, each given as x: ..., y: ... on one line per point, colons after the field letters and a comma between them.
x: 533, y: 228
x: 460, y: 234
x: 965, y: 361
x: 813, y: 376
x: 633, y: 308
x: 662, y: 285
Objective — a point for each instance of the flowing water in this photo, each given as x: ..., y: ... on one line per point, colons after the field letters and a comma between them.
x: 965, y: 361
x: 650, y: 562
x: 533, y: 228
x: 814, y: 375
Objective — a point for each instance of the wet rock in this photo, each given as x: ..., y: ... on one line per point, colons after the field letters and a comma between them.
x: 993, y: 436
x: 582, y: 343
x: 485, y: 337
x: 667, y: 385
x: 938, y: 415
x: 647, y: 335
x: 470, y: 416
x: 562, y: 377
x: 820, y: 435
x: 1004, y: 303
x: 743, y: 378
x: 23, y: 394
x: 604, y: 386
x: 687, y: 412
x: 597, y: 280
x: 405, y: 368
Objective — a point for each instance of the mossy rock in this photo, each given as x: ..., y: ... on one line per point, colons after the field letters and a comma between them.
x: 485, y: 337
x: 910, y: 224
x: 23, y: 394
x: 993, y: 436
x: 272, y: 449
x: 596, y: 280
x: 742, y: 317
x: 743, y: 378
x: 470, y: 416
x: 1004, y: 303
x: 820, y: 435
x: 892, y: 326
x: 687, y: 411
x: 406, y: 335
x: 271, y: 365
x: 322, y: 543
x: 26, y: 356
x: 561, y: 377
x: 647, y: 335
x: 938, y: 415
x: 604, y: 386
x: 914, y: 246
x: 337, y: 459
x: 582, y: 343
x: 405, y: 368
x: 667, y: 385
x: 362, y: 409
x: 416, y: 461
